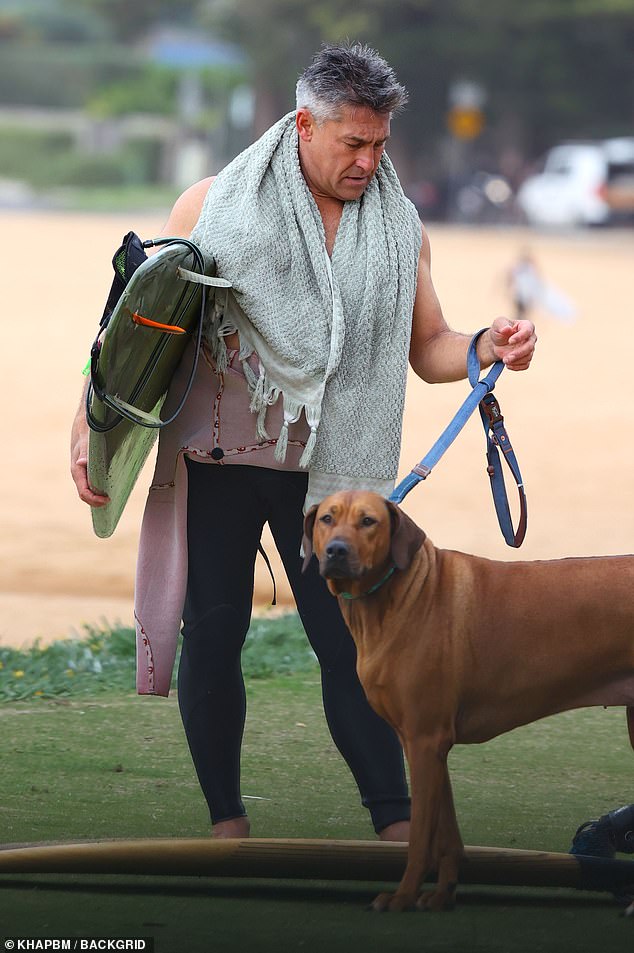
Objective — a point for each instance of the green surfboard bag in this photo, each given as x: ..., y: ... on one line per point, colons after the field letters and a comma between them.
x: 139, y: 346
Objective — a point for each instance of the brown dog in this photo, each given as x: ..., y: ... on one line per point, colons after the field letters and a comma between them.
x: 458, y: 649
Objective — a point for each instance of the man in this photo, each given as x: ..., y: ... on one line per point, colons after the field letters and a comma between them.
x: 612, y: 833
x: 301, y: 392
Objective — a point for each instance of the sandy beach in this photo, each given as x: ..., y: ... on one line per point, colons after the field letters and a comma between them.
x: 569, y: 417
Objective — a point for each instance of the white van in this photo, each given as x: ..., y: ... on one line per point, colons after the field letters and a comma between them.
x: 582, y: 183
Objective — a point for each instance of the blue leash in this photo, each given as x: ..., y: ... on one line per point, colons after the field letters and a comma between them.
x: 496, y: 439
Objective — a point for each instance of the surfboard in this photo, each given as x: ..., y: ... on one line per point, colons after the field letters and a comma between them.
x: 133, y: 361
x: 309, y: 859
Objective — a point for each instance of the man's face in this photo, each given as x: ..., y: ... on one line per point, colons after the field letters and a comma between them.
x: 339, y: 157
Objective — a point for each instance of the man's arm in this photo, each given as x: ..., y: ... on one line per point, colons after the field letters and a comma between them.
x: 186, y: 210
x: 438, y: 354
x: 180, y: 223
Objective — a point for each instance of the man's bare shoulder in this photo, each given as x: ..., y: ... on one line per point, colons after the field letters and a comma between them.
x: 187, y: 209
x: 198, y: 191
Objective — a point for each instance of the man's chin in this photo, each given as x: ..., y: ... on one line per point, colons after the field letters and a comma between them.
x: 353, y: 188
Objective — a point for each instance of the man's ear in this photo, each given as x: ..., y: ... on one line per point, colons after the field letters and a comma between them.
x: 304, y: 123
x: 407, y: 537
x: 307, y: 540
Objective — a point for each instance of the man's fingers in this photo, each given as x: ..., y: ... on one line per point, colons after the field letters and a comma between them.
x: 517, y: 362
x: 93, y: 499
x: 79, y: 472
x: 88, y: 495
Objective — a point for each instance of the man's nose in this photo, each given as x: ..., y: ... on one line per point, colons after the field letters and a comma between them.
x: 365, y: 160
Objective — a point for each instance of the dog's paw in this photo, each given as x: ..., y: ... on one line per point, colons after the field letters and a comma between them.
x: 437, y: 901
x: 393, y: 903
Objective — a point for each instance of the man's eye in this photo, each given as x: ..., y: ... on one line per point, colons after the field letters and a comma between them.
x: 368, y: 521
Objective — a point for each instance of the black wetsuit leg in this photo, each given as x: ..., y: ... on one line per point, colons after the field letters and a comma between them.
x: 225, y: 517
x: 222, y: 546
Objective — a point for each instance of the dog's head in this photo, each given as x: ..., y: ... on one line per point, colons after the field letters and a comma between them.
x: 355, y: 534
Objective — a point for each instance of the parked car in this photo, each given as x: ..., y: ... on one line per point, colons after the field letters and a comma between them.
x: 582, y: 183
x: 475, y: 197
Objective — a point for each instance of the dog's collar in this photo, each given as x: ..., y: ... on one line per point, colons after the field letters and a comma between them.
x: 349, y: 596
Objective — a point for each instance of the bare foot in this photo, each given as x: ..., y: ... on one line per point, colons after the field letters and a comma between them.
x: 396, y: 832
x: 234, y: 827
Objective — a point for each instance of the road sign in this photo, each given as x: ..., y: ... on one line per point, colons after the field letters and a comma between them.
x: 465, y: 123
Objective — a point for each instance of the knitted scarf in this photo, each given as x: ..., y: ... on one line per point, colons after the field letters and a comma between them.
x: 331, y: 333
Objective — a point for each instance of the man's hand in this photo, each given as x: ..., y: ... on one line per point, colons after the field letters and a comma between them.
x: 512, y: 342
x: 79, y: 461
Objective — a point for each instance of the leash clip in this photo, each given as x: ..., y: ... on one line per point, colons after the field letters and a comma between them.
x: 492, y: 409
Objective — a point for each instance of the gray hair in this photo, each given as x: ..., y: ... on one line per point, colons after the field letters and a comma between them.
x: 349, y: 75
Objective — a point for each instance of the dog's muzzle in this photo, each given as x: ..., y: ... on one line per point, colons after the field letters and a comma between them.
x: 335, y: 562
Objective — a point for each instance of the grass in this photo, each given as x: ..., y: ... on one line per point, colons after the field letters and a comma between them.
x: 102, y: 659
x: 110, y: 764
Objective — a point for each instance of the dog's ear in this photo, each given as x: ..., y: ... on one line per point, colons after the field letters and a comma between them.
x: 307, y: 540
x: 407, y: 537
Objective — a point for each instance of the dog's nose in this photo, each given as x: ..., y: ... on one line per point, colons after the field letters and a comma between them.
x: 336, y: 550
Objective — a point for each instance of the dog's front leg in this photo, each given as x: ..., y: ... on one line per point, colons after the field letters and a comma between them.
x: 448, y: 851
x: 435, y: 844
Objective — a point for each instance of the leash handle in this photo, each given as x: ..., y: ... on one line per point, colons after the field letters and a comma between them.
x: 498, y: 440
x: 497, y: 436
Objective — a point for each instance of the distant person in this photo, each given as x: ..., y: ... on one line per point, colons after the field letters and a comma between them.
x: 300, y: 393
x: 528, y: 290
x: 525, y: 284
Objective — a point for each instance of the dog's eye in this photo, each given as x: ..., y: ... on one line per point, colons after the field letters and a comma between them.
x: 368, y: 521
x: 326, y: 518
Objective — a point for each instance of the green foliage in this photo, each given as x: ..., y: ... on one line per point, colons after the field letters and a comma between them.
x: 552, y: 69
x: 149, y: 90
x: 277, y: 645
x: 152, y: 198
x: 105, y: 79
x: 59, y: 75
x: 103, y: 660
x: 50, y: 22
x: 50, y: 160
x: 74, y: 666
x: 130, y: 20
x: 563, y: 68
x: 154, y: 89
x: 26, y: 154
x: 82, y: 171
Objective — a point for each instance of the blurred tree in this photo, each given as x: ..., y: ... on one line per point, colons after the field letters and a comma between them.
x: 47, y: 21
x: 129, y: 20
x: 551, y: 68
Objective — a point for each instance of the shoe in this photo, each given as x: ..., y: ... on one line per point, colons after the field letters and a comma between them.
x: 593, y: 839
x: 612, y: 833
